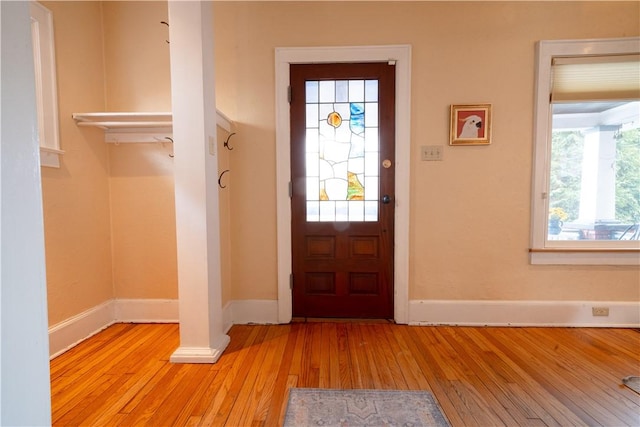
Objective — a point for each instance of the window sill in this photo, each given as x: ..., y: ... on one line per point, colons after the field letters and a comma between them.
x: 584, y: 256
x: 50, y: 157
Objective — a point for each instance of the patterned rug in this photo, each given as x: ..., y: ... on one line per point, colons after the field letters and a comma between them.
x: 632, y: 382
x: 346, y: 408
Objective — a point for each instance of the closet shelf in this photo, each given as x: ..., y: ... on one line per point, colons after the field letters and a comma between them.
x: 137, y: 127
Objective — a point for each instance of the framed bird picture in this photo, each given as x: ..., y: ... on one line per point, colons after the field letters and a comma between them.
x: 470, y: 124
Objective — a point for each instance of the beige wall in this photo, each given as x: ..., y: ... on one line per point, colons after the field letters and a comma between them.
x: 113, y: 56
x: 136, y: 56
x: 109, y: 214
x: 224, y: 199
x: 76, y: 196
x: 141, y: 181
x: 469, y: 213
x: 143, y: 221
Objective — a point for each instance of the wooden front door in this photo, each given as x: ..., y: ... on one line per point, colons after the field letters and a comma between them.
x: 342, y: 169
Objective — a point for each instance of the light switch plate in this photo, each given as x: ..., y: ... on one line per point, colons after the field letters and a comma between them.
x: 212, y: 146
x: 431, y: 152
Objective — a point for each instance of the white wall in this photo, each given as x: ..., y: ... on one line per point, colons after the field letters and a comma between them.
x: 24, y: 347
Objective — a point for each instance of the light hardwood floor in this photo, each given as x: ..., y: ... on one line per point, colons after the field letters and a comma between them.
x: 480, y: 376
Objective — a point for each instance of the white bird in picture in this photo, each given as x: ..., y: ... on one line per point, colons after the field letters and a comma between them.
x: 471, y: 127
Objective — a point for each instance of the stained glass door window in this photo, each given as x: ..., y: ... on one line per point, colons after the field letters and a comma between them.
x: 342, y: 150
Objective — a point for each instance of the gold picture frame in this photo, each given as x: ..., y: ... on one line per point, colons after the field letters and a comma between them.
x: 470, y: 124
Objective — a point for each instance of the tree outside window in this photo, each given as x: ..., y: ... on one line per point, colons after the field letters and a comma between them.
x: 594, y: 181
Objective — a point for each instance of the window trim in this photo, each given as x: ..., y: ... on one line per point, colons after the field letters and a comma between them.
x: 544, y: 251
x: 46, y: 89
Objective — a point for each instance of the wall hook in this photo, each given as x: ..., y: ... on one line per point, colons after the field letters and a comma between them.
x: 167, y: 24
x: 220, y: 179
x: 170, y: 140
x: 226, y: 143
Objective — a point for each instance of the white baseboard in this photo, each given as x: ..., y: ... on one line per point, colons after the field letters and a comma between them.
x: 246, y: 311
x: 74, y: 330
x: 227, y: 317
x: 146, y: 310
x: 523, y: 313
x: 68, y: 333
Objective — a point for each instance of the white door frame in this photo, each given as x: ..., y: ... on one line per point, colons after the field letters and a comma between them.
x: 401, y: 55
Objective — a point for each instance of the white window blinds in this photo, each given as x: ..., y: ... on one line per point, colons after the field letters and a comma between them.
x: 595, y: 78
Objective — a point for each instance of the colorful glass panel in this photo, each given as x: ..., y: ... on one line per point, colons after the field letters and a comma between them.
x: 342, y: 151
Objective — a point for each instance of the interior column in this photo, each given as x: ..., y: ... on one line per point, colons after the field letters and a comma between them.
x: 202, y: 339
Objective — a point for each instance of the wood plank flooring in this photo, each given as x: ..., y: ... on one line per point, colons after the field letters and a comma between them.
x: 480, y: 376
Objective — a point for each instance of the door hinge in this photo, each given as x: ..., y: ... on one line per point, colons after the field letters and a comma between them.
x: 290, y: 189
x: 291, y: 281
x: 289, y: 94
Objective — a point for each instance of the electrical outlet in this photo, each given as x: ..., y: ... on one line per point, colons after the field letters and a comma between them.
x: 431, y: 152
x: 600, y: 311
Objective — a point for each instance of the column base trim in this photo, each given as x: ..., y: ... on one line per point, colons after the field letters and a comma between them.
x: 201, y: 354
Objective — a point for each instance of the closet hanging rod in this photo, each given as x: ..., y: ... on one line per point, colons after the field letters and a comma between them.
x: 126, y: 124
x: 122, y: 120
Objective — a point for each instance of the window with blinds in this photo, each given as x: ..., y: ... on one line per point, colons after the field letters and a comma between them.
x: 587, y: 153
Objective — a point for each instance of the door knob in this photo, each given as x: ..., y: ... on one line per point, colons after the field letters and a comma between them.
x: 386, y: 199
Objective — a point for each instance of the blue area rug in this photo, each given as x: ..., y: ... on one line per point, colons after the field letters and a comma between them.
x: 347, y: 408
